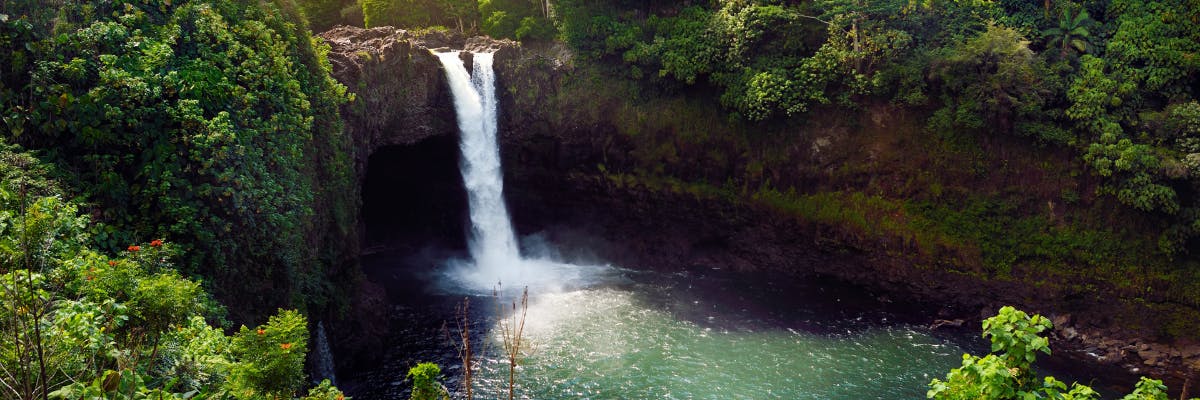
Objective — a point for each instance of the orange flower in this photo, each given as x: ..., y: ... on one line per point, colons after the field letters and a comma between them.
x: 261, y: 331
x: 285, y: 346
x: 156, y: 243
x: 341, y: 397
x: 135, y: 248
x: 89, y: 277
x: 112, y: 263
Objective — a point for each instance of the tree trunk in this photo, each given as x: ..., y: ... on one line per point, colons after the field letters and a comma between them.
x: 857, y: 46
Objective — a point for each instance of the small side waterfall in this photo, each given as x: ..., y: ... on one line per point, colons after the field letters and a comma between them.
x: 323, y: 357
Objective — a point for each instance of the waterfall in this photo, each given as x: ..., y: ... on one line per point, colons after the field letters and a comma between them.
x: 493, y: 245
x: 496, y: 256
x: 323, y: 357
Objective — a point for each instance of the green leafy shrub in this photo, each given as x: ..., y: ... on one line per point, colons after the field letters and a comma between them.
x: 398, y: 13
x: 1008, y: 372
x: 325, y: 391
x: 534, y: 29
x: 515, y: 19
x: 417, y: 14
x: 324, y: 14
x: 425, y: 385
x: 196, y: 357
x: 270, y: 357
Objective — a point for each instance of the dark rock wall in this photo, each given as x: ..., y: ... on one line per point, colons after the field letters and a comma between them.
x: 370, y: 62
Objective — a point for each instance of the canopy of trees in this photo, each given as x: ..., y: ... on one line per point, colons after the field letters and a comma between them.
x: 1114, y: 81
x: 213, y: 124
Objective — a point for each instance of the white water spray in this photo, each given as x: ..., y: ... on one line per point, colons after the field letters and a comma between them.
x: 493, y: 245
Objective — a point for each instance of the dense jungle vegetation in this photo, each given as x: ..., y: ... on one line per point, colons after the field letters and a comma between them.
x: 157, y: 151
x: 158, y: 155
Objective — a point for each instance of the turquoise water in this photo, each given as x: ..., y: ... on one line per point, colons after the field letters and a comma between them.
x: 619, y: 343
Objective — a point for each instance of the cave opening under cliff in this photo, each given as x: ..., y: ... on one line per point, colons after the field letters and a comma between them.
x: 413, y: 195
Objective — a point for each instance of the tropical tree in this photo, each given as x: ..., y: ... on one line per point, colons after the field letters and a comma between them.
x: 1071, y: 34
x: 322, y: 14
x: 463, y: 13
x: 991, y: 81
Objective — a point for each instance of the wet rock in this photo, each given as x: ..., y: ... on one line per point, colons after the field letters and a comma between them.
x: 1069, y: 333
x: 1192, y: 351
x: 439, y: 39
x: 956, y: 323
x: 1061, y: 320
x: 467, y: 59
x: 482, y: 44
x: 1150, y: 357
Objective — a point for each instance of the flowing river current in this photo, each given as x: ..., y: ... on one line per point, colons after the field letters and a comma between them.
x: 603, y: 332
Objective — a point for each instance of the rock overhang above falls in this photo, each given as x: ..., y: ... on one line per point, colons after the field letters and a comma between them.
x: 401, y: 96
x: 353, y: 47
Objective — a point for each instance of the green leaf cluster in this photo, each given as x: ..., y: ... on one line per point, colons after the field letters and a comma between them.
x: 425, y: 385
x: 270, y: 357
x: 1007, y: 373
x: 324, y: 14
x: 516, y: 19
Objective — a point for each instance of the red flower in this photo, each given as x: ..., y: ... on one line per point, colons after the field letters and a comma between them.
x: 261, y: 331
x: 135, y: 248
x: 112, y: 263
x: 156, y: 243
x: 89, y: 277
x: 285, y: 346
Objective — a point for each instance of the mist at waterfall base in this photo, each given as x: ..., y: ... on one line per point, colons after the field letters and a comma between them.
x: 603, y: 332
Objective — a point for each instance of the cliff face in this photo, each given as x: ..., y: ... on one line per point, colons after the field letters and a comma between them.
x: 370, y: 62
x: 402, y: 97
x: 596, y: 164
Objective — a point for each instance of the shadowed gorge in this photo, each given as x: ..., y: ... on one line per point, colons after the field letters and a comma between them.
x: 414, y: 194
